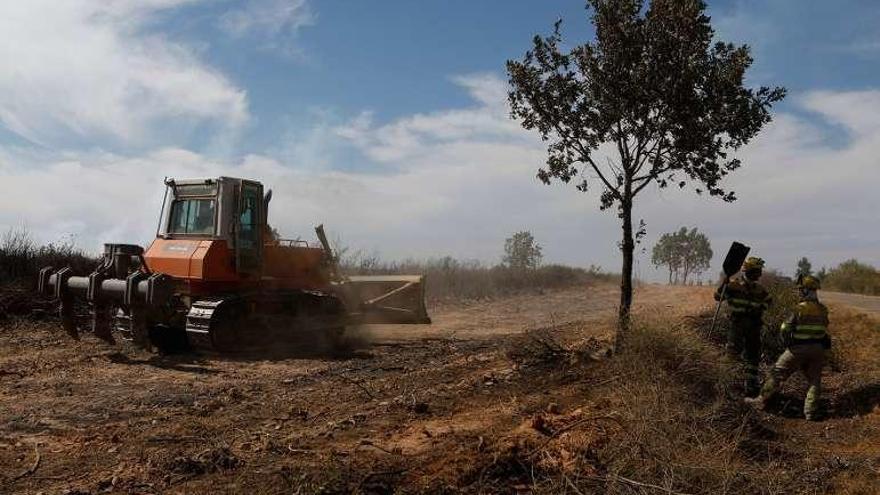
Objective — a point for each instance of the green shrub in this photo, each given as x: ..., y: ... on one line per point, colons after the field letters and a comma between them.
x: 853, y: 276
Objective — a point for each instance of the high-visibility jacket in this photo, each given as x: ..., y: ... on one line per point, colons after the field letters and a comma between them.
x: 808, y: 322
x: 745, y: 297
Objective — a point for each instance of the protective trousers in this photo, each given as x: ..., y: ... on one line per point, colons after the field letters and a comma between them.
x: 806, y: 358
x: 744, y: 344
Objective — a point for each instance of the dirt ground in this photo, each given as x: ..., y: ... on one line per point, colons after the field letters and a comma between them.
x: 408, y: 409
x: 867, y: 304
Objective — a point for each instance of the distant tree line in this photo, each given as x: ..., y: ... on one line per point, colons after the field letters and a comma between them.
x: 521, y: 270
x: 851, y: 276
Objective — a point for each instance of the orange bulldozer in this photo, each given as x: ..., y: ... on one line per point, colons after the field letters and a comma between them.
x: 217, y: 278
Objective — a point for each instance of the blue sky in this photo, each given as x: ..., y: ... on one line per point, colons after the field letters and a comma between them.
x: 387, y: 121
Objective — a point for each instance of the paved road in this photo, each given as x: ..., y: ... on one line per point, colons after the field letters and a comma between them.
x: 869, y: 304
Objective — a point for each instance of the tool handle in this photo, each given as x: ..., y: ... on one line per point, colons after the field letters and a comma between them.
x: 718, y: 309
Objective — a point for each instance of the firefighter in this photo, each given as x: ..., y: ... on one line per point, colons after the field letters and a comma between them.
x: 748, y: 300
x: 805, y: 333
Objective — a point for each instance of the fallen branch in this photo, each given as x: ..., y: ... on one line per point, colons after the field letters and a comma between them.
x: 571, y: 485
x: 300, y: 451
x: 31, y: 470
x: 355, y: 382
x: 369, y: 443
x: 560, y: 431
x: 163, y: 439
x: 627, y: 481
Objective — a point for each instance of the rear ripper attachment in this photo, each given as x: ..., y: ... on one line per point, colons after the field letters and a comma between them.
x: 121, y: 287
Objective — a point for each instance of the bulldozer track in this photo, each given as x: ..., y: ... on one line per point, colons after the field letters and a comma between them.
x: 199, y: 322
x: 225, y: 324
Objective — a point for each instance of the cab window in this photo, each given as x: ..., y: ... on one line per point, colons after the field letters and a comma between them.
x: 249, y: 234
x: 192, y: 216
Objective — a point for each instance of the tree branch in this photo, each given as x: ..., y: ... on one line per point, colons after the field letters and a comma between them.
x: 588, y: 159
x: 655, y: 172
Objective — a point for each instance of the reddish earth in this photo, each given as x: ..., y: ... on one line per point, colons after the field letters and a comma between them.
x: 409, y: 409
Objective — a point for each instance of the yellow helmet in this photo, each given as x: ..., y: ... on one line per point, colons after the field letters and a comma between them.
x: 809, y: 282
x: 753, y: 263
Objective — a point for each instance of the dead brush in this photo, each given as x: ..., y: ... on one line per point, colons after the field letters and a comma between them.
x: 21, y: 257
x: 209, y: 460
x: 538, y: 347
x: 687, y: 431
x: 668, y: 421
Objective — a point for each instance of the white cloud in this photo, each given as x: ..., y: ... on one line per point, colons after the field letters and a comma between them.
x: 273, y: 21
x: 462, y: 180
x: 411, y: 137
x: 101, y: 197
x: 800, y: 193
x: 864, y: 47
x: 91, y: 69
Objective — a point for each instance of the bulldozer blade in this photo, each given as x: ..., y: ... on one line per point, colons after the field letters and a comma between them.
x: 392, y: 299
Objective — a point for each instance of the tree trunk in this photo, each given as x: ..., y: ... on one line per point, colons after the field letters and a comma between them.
x: 626, y: 286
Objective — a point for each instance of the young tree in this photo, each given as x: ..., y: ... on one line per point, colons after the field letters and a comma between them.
x: 664, y: 254
x: 651, y: 100
x: 804, y: 267
x: 684, y: 253
x: 521, y: 251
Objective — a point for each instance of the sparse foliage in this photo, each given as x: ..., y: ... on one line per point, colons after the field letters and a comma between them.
x: 853, y: 276
x: 521, y: 252
x: 684, y: 253
x: 447, y: 278
x: 804, y: 267
x: 21, y: 257
x: 651, y: 100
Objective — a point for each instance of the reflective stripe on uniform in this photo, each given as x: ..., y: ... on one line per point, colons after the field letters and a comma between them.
x: 734, y: 309
x: 738, y: 305
x: 809, y: 331
x: 745, y: 302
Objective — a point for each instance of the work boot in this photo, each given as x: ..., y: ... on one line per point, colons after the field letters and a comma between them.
x: 811, y: 404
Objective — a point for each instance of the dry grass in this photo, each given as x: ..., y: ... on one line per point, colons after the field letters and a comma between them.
x: 21, y: 258
x: 448, y: 278
x: 686, y: 431
x: 666, y: 417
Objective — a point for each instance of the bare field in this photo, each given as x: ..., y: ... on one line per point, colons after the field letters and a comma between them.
x: 408, y: 409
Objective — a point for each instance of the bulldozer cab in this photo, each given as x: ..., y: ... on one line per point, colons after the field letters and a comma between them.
x: 226, y: 208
